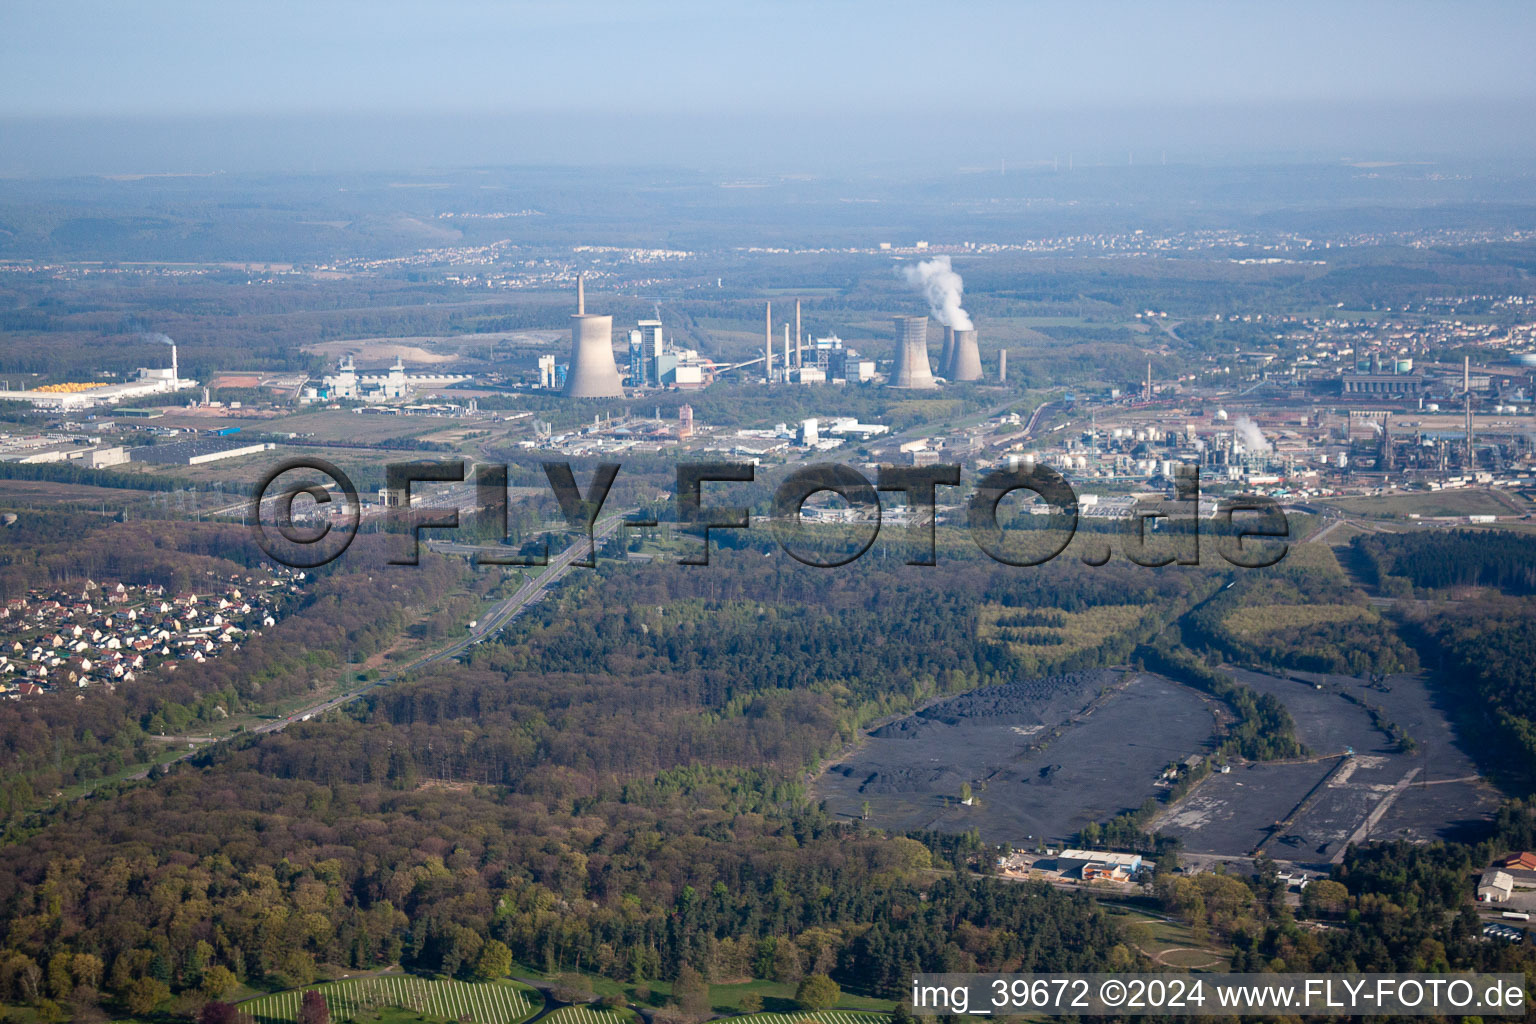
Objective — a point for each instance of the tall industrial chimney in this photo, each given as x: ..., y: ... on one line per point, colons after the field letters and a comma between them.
x: 1466, y: 392
x: 768, y: 343
x: 175, y: 373
x: 1002, y: 367
x: 947, y: 353
x: 592, y: 373
x: 964, y: 357
x: 911, y: 369
x: 799, y: 358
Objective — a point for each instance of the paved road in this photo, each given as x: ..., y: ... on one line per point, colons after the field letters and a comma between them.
x: 486, y: 626
x: 1361, y: 834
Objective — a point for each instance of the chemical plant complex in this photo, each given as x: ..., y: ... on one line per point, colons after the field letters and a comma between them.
x: 1349, y: 407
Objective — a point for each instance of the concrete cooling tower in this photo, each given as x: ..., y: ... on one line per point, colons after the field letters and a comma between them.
x: 946, y: 353
x: 593, y: 373
x: 964, y: 358
x: 911, y: 368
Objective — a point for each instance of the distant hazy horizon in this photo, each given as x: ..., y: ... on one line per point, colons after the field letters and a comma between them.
x: 105, y: 88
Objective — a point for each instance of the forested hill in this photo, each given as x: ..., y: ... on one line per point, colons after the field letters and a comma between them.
x: 616, y: 785
x: 331, y: 619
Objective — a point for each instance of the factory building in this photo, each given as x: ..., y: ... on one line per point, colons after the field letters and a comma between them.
x: 833, y: 361
x: 636, y: 360
x: 650, y: 351
x: 1495, y: 887
x: 196, y: 452
x: 848, y: 426
x: 1379, y: 385
x: 42, y: 449
x: 1097, y: 864
x: 63, y: 397
x: 346, y: 384
x: 652, y: 364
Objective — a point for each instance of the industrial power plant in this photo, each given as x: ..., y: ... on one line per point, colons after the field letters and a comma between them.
x: 593, y: 372
x: 959, y: 358
x: 788, y: 356
x: 964, y: 359
x: 910, y: 367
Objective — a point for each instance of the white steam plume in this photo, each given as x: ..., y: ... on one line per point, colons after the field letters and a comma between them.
x: 942, y: 287
x: 1251, y: 436
x: 155, y: 336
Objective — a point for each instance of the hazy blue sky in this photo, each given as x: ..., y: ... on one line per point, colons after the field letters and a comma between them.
x: 935, y: 66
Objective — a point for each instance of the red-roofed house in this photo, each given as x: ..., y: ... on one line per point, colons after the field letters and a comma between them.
x: 1524, y: 861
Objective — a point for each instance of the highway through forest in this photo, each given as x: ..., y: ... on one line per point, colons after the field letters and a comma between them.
x: 486, y: 626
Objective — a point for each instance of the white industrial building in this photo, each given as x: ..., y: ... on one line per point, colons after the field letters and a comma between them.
x: 45, y: 448
x: 346, y: 384
x: 1495, y: 886
x: 150, y: 381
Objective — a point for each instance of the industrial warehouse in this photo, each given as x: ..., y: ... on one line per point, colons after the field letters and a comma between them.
x: 70, y: 396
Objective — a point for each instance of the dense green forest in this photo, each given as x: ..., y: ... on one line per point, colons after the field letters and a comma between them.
x: 1300, y: 613
x: 1462, y: 558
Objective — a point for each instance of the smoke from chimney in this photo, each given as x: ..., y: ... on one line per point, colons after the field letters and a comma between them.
x: 942, y: 287
x: 165, y: 339
x: 1252, y: 437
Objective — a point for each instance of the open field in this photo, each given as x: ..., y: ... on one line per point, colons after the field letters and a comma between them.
x: 323, y: 424
x: 360, y: 998
x: 589, y: 1015
x: 1266, y: 618
x: 820, y: 1016
x: 42, y: 493
x: 366, y: 467
x: 778, y: 997
x: 428, y: 350
x: 1044, y: 757
x: 1459, y: 502
x: 381, y: 351
x: 1057, y: 634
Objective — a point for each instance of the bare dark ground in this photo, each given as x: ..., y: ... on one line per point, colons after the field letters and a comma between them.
x: 1102, y: 763
x: 1430, y: 793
